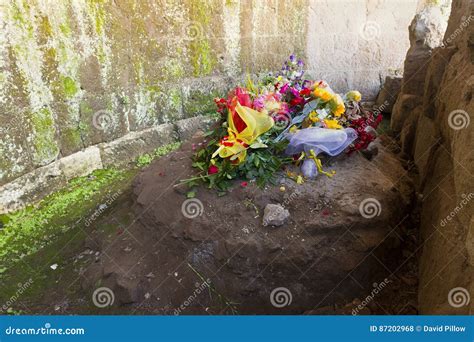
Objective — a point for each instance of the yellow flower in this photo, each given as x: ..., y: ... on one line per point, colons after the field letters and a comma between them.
x: 339, y: 107
x: 323, y: 94
x: 293, y: 129
x: 313, y: 116
x: 354, y: 95
x: 332, y: 124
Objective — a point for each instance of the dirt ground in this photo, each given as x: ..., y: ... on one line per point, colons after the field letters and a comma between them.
x: 223, y: 261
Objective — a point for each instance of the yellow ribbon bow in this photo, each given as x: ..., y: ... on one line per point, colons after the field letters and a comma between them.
x: 236, y: 143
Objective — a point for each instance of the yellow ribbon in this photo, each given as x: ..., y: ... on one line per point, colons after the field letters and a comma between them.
x: 319, y: 165
x: 256, y: 122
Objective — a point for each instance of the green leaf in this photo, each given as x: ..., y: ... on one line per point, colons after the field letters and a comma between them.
x: 258, y: 145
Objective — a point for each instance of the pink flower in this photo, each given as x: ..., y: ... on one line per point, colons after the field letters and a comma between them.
x: 212, y: 170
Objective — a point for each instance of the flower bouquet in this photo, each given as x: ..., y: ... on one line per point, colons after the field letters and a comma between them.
x: 281, y: 119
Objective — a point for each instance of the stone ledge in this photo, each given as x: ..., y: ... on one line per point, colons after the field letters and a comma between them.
x: 35, y: 185
x: 126, y: 149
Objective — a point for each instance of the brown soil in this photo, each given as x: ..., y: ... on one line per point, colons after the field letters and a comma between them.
x: 327, y: 255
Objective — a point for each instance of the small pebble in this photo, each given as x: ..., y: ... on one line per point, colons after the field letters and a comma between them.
x: 282, y: 189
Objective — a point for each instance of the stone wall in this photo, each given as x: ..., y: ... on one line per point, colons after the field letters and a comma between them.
x: 433, y: 116
x: 356, y: 44
x: 78, y: 73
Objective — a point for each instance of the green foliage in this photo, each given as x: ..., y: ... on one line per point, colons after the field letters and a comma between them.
x: 260, y: 165
x: 147, y: 158
x: 144, y: 160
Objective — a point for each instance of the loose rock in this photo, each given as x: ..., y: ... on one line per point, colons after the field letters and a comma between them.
x: 275, y: 215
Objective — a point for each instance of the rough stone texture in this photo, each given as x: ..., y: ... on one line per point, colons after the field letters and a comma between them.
x: 426, y: 32
x: 326, y: 252
x: 364, y: 41
x: 126, y: 149
x: 389, y: 93
x: 82, y: 73
x: 406, y: 103
x: 186, y: 128
x: 441, y: 147
x: 81, y: 163
x: 30, y: 187
x: 275, y: 215
x: 36, y: 184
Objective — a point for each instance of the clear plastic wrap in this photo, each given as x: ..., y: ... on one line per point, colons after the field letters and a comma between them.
x: 330, y: 141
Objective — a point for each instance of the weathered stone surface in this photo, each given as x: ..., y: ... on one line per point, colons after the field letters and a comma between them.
x: 426, y: 33
x: 186, y: 128
x: 81, y: 163
x: 425, y: 145
x: 275, y: 215
x: 442, y: 152
x: 138, y: 71
x: 408, y: 133
x: 388, y: 94
x: 402, y: 109
x: 367, y: 37
x: 31, y: 187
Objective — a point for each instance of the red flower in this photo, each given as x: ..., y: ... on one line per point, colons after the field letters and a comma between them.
x: 212, y: 169
x: 221, y: 104
x: 244, y: 184
x: 305, y: 92
x: 296, y: 101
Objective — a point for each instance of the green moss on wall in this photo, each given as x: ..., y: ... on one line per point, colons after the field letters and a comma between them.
x: 45, y: 27
x: 44, y: 142
x: 69, y: 86
x: 71, y: 138
x: 200, y: 102
x: 202, y: 58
